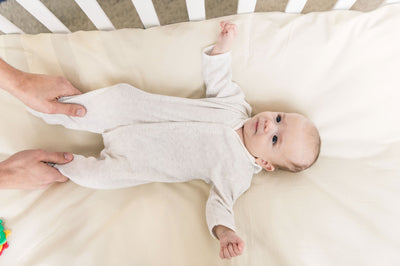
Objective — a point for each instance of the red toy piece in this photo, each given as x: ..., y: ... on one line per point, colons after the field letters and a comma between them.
x: 5, y: 245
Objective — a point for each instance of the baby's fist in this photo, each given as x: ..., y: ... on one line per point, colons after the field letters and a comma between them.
x: 225, y: 38
x: 230, y: 244
x: 228, y: 29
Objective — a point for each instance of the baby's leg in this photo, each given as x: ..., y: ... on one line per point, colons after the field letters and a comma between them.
x: 104, y: 173
x: 123, y: 104
x: 107, y: 108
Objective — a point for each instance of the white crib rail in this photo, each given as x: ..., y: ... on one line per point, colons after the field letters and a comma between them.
x: 295, y: 6
x: 96, y: 14
x: 246, y: 6
x: 44, y: 15
x: 8, y: 27
x: 344, y: 4
x: 196, y: 10
x: 147, y: 13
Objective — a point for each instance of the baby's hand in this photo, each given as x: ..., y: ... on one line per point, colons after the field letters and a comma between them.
x: 225, y: 38
x: 231, y: 245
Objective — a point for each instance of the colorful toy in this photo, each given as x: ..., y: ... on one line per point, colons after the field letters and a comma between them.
x: 3, y: 237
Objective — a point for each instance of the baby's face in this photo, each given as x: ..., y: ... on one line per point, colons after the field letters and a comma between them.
x: 279, y: 139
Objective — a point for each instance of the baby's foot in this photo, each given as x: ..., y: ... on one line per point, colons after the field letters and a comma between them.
x: 225, y: 38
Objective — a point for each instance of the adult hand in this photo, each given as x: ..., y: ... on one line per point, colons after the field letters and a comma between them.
x: 41, y: 93
x: 29, y: 169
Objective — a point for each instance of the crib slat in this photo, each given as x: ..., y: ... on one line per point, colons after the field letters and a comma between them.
x: 366, y: 5
x: 196, y: 9
x: 7, y: 27
x: 344, y: 4
x: 96, y: 14
x: 295, y: 6
x: 388, y: 2
x: 147, y: 12
x: 246, y: 6
x: 318, y: 6
x: 41, y: 13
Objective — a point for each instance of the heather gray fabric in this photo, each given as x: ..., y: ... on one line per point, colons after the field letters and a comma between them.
x: 157, y: 138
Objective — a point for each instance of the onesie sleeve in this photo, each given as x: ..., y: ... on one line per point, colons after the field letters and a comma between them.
x: 217, y: 75
x: 219, y: 209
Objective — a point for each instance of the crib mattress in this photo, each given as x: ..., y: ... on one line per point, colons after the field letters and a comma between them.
x: 339, y: 68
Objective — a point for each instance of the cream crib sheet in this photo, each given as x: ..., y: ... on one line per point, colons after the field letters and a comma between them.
x: 339, y: 68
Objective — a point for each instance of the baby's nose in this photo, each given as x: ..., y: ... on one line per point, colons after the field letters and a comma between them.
x: 268, y: 126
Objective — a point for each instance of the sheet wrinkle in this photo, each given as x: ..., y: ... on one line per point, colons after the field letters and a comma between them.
x: 284, y: 52
x: 65, y: 58
x: 13, y: 55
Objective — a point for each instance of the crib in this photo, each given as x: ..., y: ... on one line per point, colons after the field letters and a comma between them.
x: 47, y: 16
x: 336, y: 62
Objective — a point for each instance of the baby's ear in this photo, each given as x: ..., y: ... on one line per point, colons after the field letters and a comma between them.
x: 264, y: 164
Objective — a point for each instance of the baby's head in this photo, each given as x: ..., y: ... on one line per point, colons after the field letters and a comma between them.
x: 287, y: 141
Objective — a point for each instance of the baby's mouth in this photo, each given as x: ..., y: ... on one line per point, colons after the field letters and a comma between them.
x: 260, y: 125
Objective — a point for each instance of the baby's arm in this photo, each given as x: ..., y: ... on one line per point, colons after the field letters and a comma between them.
x: 220, y: 220
x: 216, y: 65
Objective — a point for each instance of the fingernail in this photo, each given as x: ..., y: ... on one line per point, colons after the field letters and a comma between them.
x: 67, y: 156
x: 80, y: 112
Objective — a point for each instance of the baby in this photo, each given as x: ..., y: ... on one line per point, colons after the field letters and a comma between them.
x: 155, y: 138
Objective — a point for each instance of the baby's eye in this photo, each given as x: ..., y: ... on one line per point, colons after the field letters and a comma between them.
x: 274, y: 139
x: 278, y: 119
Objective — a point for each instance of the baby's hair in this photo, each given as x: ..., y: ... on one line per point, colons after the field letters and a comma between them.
x: 300, y: 166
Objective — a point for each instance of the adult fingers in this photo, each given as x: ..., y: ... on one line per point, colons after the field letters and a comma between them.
x: 55, y: 157
x: 58, y: 158
x: 66, y: 87
x: 55, y: 175
x: 231, y: 251
x: 68, y: 109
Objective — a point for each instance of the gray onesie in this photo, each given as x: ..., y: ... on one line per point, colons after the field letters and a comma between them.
x: 156, y: 138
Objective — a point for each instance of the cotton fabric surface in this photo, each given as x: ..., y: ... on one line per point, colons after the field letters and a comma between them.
x: 158, y: 138
x: 338, y: 68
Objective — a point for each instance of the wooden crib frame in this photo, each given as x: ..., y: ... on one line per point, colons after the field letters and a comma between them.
x: 196, y: 10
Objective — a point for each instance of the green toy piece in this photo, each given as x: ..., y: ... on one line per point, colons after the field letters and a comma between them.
x: 3, y: 238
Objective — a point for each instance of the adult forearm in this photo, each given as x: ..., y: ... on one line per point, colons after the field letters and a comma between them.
x: 3, y: 176
x: 10, y: 77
